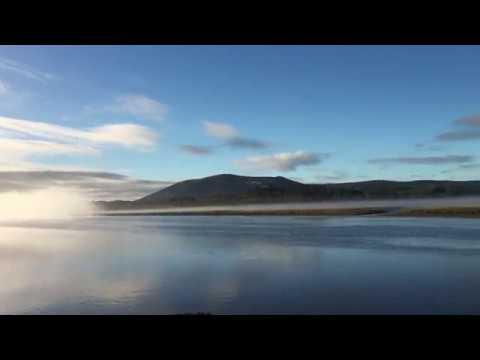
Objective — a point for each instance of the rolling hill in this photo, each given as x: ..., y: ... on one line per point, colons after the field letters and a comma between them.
x: 228, y: 189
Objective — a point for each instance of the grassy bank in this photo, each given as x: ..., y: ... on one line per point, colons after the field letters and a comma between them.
x: 467, y: 212
x: 266, y: 212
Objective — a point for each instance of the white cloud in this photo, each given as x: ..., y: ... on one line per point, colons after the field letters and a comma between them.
x: 231, y: 136
x: 141, y: 106
x: 220, y: 130
x: 22, y: 139
x: 425, y: 160
x: 128, y: 135
x: 13, y: 164
x: 281, y: 162
x: 20, y: 148
x: 24, y: 70
x: 196, y: 149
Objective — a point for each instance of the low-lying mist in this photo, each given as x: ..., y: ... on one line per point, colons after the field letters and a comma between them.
x: 50, y: 203
x: 67, y: 203
x: 470, y: 201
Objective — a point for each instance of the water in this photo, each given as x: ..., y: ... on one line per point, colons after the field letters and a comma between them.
x: 240, y: 265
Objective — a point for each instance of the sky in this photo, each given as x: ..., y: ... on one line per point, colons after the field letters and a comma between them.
x: 120, y: 122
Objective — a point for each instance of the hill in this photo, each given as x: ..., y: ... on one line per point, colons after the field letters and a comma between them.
x: 228, y: 189
x: 225, y: 187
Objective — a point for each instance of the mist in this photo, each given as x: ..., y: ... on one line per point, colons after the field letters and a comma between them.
x: 50, y: 203
x: 464, y: 201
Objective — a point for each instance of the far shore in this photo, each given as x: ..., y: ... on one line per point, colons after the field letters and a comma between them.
x: 464, y: 212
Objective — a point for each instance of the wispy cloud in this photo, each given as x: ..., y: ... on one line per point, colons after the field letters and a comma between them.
x: 140, y: 106
x: 4, y: 89
x: 196, y: 149
x: 220, y: 130
x: 13, y: 99
x: 231, y: 136
x: 428, y: 147
x: 128, y: 135
x: 470, y: 166
x: 20, y: 140
x: 95, y: 185
x: 24, y: 70
x: 469, y: 120
x: 426, y: 160
x: 247, y: 143
x: 288, y: 161
x: 459, y: 135
x: 470, y: 130
x: 460, y: 169
x: 11, y: 149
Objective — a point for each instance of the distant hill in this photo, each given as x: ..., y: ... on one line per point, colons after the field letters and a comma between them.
x: 228, y: 189
x: 225, y: 187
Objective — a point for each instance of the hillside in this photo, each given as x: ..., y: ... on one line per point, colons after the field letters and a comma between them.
x: 227, y: 189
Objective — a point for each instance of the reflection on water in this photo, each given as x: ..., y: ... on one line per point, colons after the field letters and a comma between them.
x: 240, y: 265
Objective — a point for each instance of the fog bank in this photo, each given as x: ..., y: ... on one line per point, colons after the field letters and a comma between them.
x: 50, y: 203
x: 469, y: 201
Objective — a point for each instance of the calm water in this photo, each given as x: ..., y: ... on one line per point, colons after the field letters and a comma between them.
x: 241, y: 265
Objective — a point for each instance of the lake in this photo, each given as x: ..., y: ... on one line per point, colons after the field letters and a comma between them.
x: 240, y: 265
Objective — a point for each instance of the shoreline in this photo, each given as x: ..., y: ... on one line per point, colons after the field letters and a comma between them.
x: 462, y: 212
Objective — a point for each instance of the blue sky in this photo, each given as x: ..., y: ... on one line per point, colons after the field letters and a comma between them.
x: 312, y: 113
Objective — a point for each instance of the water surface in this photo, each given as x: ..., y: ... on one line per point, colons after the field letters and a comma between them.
x: 240, y: 265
